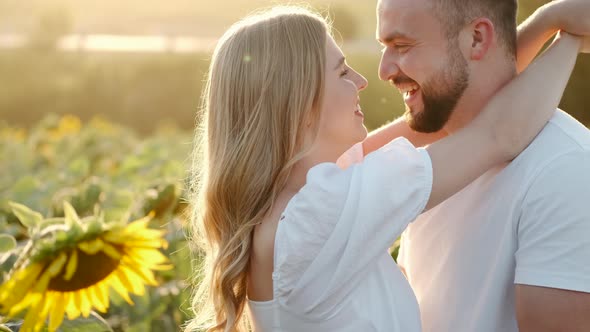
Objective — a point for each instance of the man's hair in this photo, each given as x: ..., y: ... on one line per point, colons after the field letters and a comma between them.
x: 454, y: 14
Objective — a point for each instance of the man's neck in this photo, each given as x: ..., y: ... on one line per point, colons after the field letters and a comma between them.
x: 482, y: 87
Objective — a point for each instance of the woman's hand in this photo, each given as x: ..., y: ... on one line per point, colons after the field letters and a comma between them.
x: 584, y: 41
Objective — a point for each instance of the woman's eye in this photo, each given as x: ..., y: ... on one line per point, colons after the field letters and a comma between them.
x: 344, y: 73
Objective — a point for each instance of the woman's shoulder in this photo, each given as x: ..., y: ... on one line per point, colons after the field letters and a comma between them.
x: 265, y: 232
x: 262, y: 253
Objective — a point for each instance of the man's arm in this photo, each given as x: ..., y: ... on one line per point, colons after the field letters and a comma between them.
x: 552, y: 274
x: 540, y: 309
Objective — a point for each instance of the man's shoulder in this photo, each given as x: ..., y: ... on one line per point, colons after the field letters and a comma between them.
x: 563, y: 136
x: 564, y: 127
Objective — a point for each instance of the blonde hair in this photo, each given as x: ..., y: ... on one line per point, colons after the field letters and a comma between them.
x: 264, y: 88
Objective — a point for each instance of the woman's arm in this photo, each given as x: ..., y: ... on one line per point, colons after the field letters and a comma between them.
x: 506, y: 125
x: 567, y: 15
x: 533, y: 33
x: 398, y: 128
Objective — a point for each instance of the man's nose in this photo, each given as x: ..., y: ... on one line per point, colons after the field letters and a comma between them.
x: 388, y: 67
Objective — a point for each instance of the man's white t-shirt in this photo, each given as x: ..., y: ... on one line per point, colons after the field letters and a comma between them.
x: 526, y: 222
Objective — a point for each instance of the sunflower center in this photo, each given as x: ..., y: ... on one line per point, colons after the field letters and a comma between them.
x: 91, y: 270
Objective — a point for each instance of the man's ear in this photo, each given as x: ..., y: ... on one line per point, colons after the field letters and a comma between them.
x: 477, y: 39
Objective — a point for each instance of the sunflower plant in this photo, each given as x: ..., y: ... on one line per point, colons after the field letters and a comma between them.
x: 69, y: 266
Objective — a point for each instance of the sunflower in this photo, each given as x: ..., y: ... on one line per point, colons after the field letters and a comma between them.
x: 72, y: 266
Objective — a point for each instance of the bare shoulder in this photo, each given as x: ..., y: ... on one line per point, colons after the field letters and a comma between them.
x: 262, y: 254
x: 264, y: 234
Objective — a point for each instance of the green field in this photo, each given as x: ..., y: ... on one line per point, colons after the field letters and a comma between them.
x: 102, y: 167
x: 189, y: 17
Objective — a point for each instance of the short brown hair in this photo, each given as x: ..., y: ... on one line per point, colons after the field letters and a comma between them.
x: 454, y: 14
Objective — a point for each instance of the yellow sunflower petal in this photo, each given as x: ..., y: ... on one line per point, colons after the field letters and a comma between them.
x: 137, y: 225
x: 91, y: 247
x: 71, y: 308
x: 33, y: 314
x: 28, y: 301
x: 95, y: 300
x: 43, y: 282
x: 120, y: 288
x: 58, y: 264
x: 102, y: 293
x: 131, y: 281
x: 138, y: 261
x: 130, y: 240
x: 15, y: 289
x: 144, y: 273
x: 149, y: 234
x: 154, y: 244
x: 57, y: 312
x: 166, y: 267
x: 148, y: 256
x: 86, y: 304
x: 111, y: 251
x: 40, y: 322
x: 72, y: 265
x: 115, y: 237
x: 77, y: 301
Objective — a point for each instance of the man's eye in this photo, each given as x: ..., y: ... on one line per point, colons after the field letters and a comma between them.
x: 402, y: 48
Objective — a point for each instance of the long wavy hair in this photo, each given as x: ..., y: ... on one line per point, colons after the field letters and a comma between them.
x: 263, y: 94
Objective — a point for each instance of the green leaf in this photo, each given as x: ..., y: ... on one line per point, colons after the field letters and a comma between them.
x: 7, y: 243
x: 27, y: 217
x: 79, y: 167
x: 70, y: 214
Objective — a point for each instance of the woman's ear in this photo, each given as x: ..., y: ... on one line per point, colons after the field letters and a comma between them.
x: 479, y: 37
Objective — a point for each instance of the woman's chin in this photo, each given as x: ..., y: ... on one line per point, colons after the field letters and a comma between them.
x: 364, y: 133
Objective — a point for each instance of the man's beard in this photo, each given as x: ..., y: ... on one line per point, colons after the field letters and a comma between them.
x: 440, y: 95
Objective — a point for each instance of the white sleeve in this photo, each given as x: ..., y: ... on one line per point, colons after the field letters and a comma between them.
x: 554, y: 227
x: 342, y: 220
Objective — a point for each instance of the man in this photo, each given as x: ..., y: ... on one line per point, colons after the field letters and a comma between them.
x: 511, y: 251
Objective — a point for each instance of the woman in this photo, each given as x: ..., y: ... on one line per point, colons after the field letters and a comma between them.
x: 284, y: 229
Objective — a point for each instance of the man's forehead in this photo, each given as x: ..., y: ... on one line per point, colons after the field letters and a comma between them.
x: 401, y: 16
x: 401, y: 6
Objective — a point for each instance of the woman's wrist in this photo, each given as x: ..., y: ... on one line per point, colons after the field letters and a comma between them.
x: 567, y: 37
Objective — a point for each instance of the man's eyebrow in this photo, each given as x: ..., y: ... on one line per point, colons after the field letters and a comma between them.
x: 393, y: 36
x: 340, y: 62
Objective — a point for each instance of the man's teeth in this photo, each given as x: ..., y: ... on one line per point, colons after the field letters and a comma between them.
x: 408, y: 90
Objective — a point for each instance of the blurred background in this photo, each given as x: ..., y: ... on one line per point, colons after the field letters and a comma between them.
x: 142, y: 63
x: 97, y: 107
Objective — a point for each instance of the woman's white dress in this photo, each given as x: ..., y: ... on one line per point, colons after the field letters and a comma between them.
x: 332, y: 269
